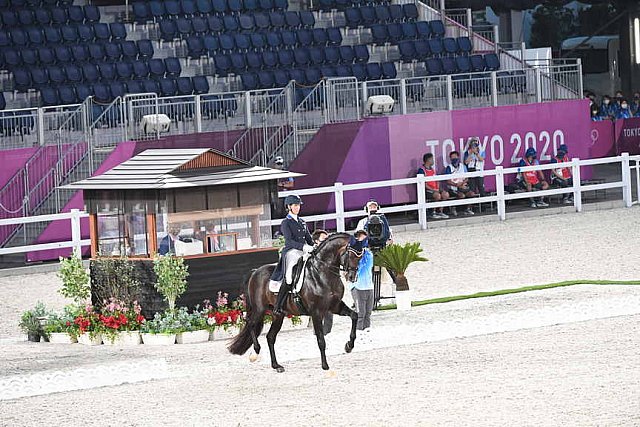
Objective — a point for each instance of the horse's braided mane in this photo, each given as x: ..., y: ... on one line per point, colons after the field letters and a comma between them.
x: 332, y: 237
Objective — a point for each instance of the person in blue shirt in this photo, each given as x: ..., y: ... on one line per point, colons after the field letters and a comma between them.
x: 635, y: 104
x: 167, y: 245
x: 297, y: 241
x: 595, y: 114
x: 362, y: 288
x: 624, y: 112
x: 606, y: 108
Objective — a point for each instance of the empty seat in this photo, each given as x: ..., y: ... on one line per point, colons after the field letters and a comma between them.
x: 230, y: 23
x: 332, y: 54
x: 249, y: 81
x: 257, y: 41
x: 328, y: 71
x: 145, y: 48
x: 320, y: 36
x: 63, y: 54
x: 424, y: 30
x: 281, y: 78
x: 172, y: 8
x: 274, y: 40
x: 195, y: 47
x: 76, y: 14
x: 58, y: 16
x: 301, y: 56
x: 374, y: 71
x: 67, y: 95
x: 29, y: 57
x: 46, y: 55
x: 395, y: 32
x: 238, y: 63
x: 49, y: 96
x: 266, y: 4
x: 269, y: 59
x: 389, y: 70
x: 157, y: 68
x: 449, y: 65
x: 96, y: 52
x: 307, y: 20
x: 150, y: 86
x: 265, y: 79
x: 39, y: 77
x: 210, y: 44
x: 56, y: 75
x: 234, y: 6
x: 347, y: 54
x: 26, y: 17
x: 353, y: 17
x: 277, y: 20
x: 334, y: 36
x: 124, y: 70
x: 250, y: 5
x: 107, y: 71
x: 382, y: 14
x: 83, y: 92
x: 253, y: 60
x: 204, y: 7
x: 292, y: 19
x: 73, y: 73
x: 140, y: 69
x: 245, y: 21
x: 12, y: 58
x: 219, y: 6
x: 129, y: 49
x: 492, y: 62
x: 379, y: 34
x: 18, y: 37
x: 463, y: 64
x: 118, y: 31
x: 43, y: 16
x: 435, y: 46
x: 222, y: 64
x: 188, y: 7
x: 285, y: 58
x: 101, y: 93
x: 437, y: 28
x: 465, y: 46
x: 183, y: 27
x: 242, y: 42
x: 168, y: 30
x: 407, y: 50
x: 450, y: 45
x: 90, y: 73
x: 316, y: 55
x: 91, y: 13
x: 368, y: 15
x: 69, y: 34
x: 215, y: 24
x: 168, y: 87
x: 477, y: 63
x: 102, y: 31
x: 312, y: 76
x: 434, y: 66
x: 361, y: 53
x: 359, y: 71
x: 199, y: 25
x: 289, y: 39
x: 410, y: 11
x: 157, y: 9
x: 226, y: 42
x: 85, y: 33
x: 173, y: 67
x: 112, y: 51
x: 184, y: 85
x: 422, y: 49
x: 262, y: 21
x: 200, y: 85
x: 396, y: 13
x: 409, y: 31
x: 280, y: 4
x: 305, y: 37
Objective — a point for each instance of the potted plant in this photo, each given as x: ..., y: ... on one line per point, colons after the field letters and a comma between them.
x: 228, y: 320
x: 161, y: 330
x: 60, y: 327
x: 88, y: 326
x: 193, y: 327
x: 75, y: 279
x: 30, y: 325
x: 171, y: 277
x: 121, y: 322
x: 397, y: 258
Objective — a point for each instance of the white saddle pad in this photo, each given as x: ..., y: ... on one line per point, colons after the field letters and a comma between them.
x: 275, y: 286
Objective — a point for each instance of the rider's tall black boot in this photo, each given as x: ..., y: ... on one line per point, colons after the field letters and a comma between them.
x: 282, y: 295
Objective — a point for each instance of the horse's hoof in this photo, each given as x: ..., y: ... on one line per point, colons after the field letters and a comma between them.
x: 348, y: 347
x: 253, y: 357
x: 279, y: 369
x: 325, y: 367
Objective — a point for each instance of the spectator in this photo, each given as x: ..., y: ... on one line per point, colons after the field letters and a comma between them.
x: 458, y: 187
x: 617, y: 102
x: 623, y: 112
x: 533, y: 180
x: 474, y: 161
x: 362, y: 289
x: 635, y: 104
x: 318, y: 237
x: 561, y: 177
x: 168, y: 243
x: 606, y: 108
x: 433, y: 187
x: 595, y: 114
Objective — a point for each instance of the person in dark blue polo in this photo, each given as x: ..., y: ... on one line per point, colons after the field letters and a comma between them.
x: 297, y: 241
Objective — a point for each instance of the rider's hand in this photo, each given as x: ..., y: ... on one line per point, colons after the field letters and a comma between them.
x: 307, y: 249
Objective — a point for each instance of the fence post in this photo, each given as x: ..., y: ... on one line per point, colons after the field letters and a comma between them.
x: 247, y: 109
x: 442, y: 9
x: 403, y: 96
x: 364, y: 98
x: 449, y: 93
x: 75, y: 232
x: 422, y: 199
x: 496, y: 39
x: 502, y: 214
x: 580, y: 82
x: 470, y: 24
x: 494, y: 89
x: 626, y: 180
x: 198, y: 114
x: 577, y: 192
x: 339, y: 197
x: 638, y: 181
x: 40, y: 121
x: 538, y: 77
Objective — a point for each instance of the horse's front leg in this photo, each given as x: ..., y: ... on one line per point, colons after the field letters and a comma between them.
x: 317, y: 327
x: 344, y: 310
x: 271, y: 341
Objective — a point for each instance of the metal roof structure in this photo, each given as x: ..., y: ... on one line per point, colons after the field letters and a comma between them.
x: 164, y: 169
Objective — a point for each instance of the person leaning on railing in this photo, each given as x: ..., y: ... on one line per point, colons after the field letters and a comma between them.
x: 432, y: 188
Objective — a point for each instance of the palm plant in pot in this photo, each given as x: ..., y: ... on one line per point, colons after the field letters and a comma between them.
x: 397, y: 259
x: 30, y: 325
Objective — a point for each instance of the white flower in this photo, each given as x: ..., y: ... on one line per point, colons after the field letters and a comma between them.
x: 211, y: 321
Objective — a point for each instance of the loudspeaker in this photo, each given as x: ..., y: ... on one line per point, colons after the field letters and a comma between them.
x: 380, y: 104
x: 153, y: 123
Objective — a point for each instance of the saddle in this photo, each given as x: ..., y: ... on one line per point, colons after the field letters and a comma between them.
x: 298, y: 278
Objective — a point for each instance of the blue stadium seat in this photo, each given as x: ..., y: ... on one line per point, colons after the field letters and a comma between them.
x: 150, y: 86
x: 211, y: 44
x: 285, y: 58
x: 49, y: 96
x: 297, y: 75
x: 168, y: 87
x: 449, y: 65
x: 107, y: 71
x: 282, y: 5
x: 129, y: 49
x: 320, y: 36
x: 238, y: 62
x: 234, y: 6
x: 289, y: 40
x: 222, y: 64
x: 281, y: 78
x: 434, y: 66
x: 465, y: 45
x: 230, y: 23
x: 253, y: 60
x: 410, y: 12
x: 204, y: 7
x: 63, y: 54
x: 266, y: 4
x: 477, y: 63
x: 334, y: 36
x: 463, y: 64
x: 56, y: 75
x: 361, y: 53
x: 69, y: 34
x: 12, y: 58
x: 250, y: 5
x: 43, y: 16
x: 157, y: 9
x: 492, y: 61
x: 269, y: 59
x: 5, y: 40
x: 326, y: 5
x: 382, y: 14
x: 184, y: 27
x: 29, y: 57
x: 52, y: 36
x: 46, y: 55
x: 200, y: 85
x: 307, y: 19
x: 249, y: 81
x: 379, y: 34
x: 96, y: 52
x: 422, y: 49
x: 374, y: 71
x: 118, y: 31
x: 184, y: 85
x: 359, y: 71
x: 85, y: 33
x: 409, y: 31
x: 140, y: 69
x: 215, y: 23
x: 450, y: 45
x: 343, y: 70
x: 353, y: 17
x: 389, y: 70
x: 312, y: 76
x: 83, y: 92
x: 277, y: 20
x: 395, y: 32
x: 124, y: 70
x: 188, y: 7
x: 305, y: 37
x: 437, y: 28
x: 73, y: 73
x: 262, y: 21
x: 195, y: 47
x: 117, y: 89
x: 67, y: 95
x: 246, y: 22
x: 226, y: 42
x: 435, y: 46
x: 368, y: 15
x: 18, y: 37
x: 102, y: 32
x: 39, y: 77
x: 157, y: 68
x: 424, y: 30
x: 145, y: 49
x: 101, y: 93
x: 301, y: 56
x: 26, y: 17
x: 347, y: 54
x: 266, y: 79
x: 113, y: 51
x: 332, y: 54
x: 168, y: 30
x: 141, y: 13
x: 91, y: 13
x: 242, y: 41
x: 258, y: 41
x: 292, y: 20
x: 328, y: 71
x: 172, y: 8
x: 59, y: 16
x: 21, y: 80
x: 396, y: 13
x: 173, y: 67
x: 9, y: 19
x: 274, y: 40
x: 219, y: 6
x: 76, y: 14
x: 90, y: 73
x: 407, y: 51
x: 316, y: 55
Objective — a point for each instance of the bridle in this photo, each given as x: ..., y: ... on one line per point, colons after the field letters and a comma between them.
x: 344, y: 261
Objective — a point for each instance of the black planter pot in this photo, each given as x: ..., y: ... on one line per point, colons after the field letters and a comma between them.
x: 33, y: 337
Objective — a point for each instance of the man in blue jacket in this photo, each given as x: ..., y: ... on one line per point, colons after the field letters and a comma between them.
x: 297, y: 241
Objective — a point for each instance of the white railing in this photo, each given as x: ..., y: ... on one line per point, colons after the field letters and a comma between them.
x: 76, y: 241
x: 500, y: 197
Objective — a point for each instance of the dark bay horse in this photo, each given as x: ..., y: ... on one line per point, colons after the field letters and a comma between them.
x: 321, y: 292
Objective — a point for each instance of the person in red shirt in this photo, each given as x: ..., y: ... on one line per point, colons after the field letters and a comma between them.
x: 433, y: 187
x: 561, y: 177
x: 533, y: 180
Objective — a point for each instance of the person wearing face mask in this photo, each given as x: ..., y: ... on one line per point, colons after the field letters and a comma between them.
x: 561, y: 177
x: 474, y: 161
x: 458, y: 187
x: 635, y: 104
x: 595, y: 114
x: 624, y: 112
x: 533, y: 180
x: 606, y: 108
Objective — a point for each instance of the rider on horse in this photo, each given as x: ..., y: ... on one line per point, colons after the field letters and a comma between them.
x: 297, y: 241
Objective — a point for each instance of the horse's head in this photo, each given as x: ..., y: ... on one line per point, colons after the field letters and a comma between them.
x: 349, y: 262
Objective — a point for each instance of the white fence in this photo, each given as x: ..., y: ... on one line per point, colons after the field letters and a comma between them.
x: 500, y: 197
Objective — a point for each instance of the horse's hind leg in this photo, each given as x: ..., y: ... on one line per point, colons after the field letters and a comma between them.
x: 254, y: 338
x: 271, y: 341
x: 343, y: 310
x: 317, y: 326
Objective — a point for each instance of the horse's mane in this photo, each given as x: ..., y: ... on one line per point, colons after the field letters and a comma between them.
x: 333, y: 236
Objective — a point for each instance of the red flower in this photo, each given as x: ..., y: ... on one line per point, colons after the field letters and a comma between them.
x: 140, y: 318
x: 234, y: 315
x: 68, y: 323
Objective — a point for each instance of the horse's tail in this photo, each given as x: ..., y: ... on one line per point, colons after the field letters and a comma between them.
x: 243, y: 341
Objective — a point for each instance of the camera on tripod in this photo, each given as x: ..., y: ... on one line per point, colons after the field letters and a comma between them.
x: 377, y: 233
